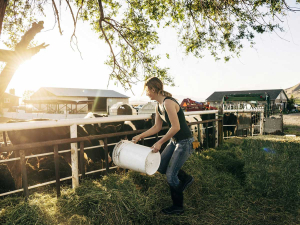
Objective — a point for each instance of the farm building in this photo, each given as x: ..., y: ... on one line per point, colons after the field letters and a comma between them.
x: 9, y: 100
x: 75, y: 100
x: 278, y: 97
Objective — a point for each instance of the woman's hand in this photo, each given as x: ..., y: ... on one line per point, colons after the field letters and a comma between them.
x: 136, y: 138
x: 156, y: 147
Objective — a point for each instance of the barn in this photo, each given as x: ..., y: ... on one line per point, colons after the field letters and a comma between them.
x: 278, y: 97
x: 75, y: 100
x: 9, y: 100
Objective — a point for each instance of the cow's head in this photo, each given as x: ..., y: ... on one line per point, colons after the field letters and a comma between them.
x: 109, y: 129
x: 91, y: 129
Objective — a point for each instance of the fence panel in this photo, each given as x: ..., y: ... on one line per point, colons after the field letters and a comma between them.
x: 74, y: 148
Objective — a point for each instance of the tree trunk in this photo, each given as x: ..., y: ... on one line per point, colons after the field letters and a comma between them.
x: 12, y: 65
x: 3, y: 4
x: 19, y: 56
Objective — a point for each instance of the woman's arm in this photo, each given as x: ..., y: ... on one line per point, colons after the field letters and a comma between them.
x: 153, y: 130
x: 171, y: 109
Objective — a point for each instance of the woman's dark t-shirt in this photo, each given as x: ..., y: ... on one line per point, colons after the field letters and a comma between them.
x: 184, y: 131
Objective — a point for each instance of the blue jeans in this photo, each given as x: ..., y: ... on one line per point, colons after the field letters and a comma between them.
x: 173, y: 158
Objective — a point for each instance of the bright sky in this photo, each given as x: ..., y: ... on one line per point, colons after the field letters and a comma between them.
x: 272, y: 64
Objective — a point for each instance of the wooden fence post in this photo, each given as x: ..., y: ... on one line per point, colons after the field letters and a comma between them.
x: 74, y: 157
x: 4, y: 138
x: 216, y: 130
x: 199, y: 135
x: 106, y: 156
x: 220, y: 126
x: 82, y: 161
x: 57, y: 176
x: 261, y: 123
x: 207, y: 135
x: 24, y: 173
x: 237, y: 123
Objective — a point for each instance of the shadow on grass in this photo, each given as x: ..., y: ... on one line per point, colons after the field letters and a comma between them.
x: 291, y: 129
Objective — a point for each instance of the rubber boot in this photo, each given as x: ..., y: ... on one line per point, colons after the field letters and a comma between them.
x: 185, y: 179
x: 177, y: 207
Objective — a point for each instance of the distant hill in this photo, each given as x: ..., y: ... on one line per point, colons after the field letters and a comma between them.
x: 295, y: 91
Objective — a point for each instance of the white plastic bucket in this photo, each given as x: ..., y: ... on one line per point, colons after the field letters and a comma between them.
x: 136, y: 157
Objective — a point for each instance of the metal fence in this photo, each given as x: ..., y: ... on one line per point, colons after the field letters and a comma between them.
x: 74, y: 140
x: 253, y: 126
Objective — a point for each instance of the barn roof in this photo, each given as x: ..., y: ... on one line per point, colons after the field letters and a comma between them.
x: 218, y: 95
x: 80, y: 92
x: 10, y: 95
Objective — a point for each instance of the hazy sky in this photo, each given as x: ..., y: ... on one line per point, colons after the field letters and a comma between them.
x: 272, y: 64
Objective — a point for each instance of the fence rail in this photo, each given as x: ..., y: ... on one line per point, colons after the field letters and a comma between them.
x: 74, y: 148
x: 217, y: 134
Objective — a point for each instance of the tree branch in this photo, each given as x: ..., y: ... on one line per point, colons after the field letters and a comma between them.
x: 21, y: 49
x: 3, y: 5
x: 103, y: 32
x: 75, y: 23
x: 57, y: 16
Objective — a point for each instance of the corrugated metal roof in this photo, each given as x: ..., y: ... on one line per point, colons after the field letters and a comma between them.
x: 80, y: 92
x: 218, y: 95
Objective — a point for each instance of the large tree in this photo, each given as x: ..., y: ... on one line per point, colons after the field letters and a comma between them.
x: 129, y: 27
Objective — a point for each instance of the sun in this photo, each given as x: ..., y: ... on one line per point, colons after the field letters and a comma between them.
x: 25, y: 78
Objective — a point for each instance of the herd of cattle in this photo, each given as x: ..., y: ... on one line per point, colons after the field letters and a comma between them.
x: 41, y: 169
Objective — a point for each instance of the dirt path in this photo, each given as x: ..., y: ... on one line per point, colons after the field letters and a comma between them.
x: 292, y: 119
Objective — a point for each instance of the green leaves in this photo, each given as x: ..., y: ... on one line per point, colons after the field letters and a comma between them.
x: 132, y: 39
x: 129, y: 28
x: 19, y: 16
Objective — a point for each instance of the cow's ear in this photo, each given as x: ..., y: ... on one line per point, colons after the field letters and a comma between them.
x: 118, y: 127
x: 98, y: 129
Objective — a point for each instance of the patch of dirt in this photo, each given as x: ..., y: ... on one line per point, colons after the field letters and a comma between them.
x: 292, y: 119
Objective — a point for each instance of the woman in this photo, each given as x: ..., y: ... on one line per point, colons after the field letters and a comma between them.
x: 178, y: 149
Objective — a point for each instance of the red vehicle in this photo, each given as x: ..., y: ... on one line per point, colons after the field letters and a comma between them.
x: 188, y: 104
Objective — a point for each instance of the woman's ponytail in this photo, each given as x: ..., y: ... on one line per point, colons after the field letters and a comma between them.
x: 165, y: 93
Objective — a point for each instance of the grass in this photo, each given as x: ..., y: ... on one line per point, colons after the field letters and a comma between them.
x: 291, y: 129
x: 245, y: 181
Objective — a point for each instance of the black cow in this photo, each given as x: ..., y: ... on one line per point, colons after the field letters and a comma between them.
x: 122, y: 126
x: 208, y: 129
x: 128, y: 126
x: 229, y: 119
x: 55, y: 133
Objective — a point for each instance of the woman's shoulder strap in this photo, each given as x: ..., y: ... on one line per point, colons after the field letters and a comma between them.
x: 171, y: 98
x: 158, y: 109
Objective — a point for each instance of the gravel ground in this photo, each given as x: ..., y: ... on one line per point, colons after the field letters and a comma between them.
x: 292, y: 119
